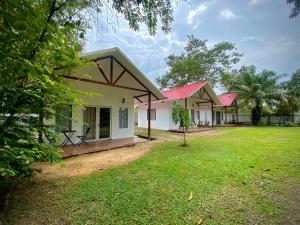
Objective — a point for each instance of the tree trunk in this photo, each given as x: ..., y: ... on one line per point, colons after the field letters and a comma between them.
x: 41, y: 123
x: 256, y: 115
x: 184, y: 138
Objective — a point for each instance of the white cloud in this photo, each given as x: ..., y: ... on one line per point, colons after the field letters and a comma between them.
x: 253, y: 2
x: 228, y: 14
x: 256, y: 2
x: 199, y: 10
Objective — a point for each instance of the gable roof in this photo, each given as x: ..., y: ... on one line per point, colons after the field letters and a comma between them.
x: 113, y: 68
x: 184, y: 91
x: 227, y: 98
x: 188, y: 91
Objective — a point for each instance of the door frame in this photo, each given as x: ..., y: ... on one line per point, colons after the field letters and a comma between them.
x: 82, y: 116
x: 98, y: 123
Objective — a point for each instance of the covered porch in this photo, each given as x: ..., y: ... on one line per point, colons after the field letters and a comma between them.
x: 107, y: 85
x: 103, y: 145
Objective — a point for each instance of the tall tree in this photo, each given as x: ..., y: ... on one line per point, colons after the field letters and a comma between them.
x: 296, y: 8
x: 199, y: 62
x: 40, y: 40
x: 257, y: 90
x: 292, y: 89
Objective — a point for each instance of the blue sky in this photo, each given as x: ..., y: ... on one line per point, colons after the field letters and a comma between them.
x: 260, y: 29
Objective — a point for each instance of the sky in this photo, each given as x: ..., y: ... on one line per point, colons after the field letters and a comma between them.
x: 260, y: 29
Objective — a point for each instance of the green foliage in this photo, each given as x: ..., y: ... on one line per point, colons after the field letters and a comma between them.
x: 41, y: 41
x: 257, y: 91
x: 296, y: 8
x: 292, y: 89
x: 146, y: 11
x: 198, y: 62
x: 180, y: 115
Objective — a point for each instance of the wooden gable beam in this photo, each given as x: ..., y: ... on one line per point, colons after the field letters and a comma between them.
x: 102, y: 72
x: 134, y: 77
x: 208, y: 95
x: 119, y: 77
x: 137, y: 98
x: 103, y: 83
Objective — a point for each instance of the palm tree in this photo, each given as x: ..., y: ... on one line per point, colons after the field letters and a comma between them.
x: 256, y: 90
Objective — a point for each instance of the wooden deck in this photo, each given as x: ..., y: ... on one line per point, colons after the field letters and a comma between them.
x: 192, y: 129
x: 97, y: 146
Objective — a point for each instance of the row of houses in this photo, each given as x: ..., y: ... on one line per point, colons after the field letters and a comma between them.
x: 205, y: 107
x: 118, y: 86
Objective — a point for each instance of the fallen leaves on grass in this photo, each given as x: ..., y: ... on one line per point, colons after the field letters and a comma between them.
x: 199, y: 221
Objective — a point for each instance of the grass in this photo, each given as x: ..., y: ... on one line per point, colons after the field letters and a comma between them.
x: 238, y: 176
x: 157, y: 134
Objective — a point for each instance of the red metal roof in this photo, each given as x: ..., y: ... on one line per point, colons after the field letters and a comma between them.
x: 227, y: 98
x: 180, y: 92
x: 184, y: 91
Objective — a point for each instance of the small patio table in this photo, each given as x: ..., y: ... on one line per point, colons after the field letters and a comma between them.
x: 68, y: 135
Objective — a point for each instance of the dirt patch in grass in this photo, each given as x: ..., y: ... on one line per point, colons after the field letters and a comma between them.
x: 85, y: 164
x: 293, y: 205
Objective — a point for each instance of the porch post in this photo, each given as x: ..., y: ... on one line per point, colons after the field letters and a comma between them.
x: 237, y: 112
x: 149, y: 114
x: 199, y: 114
x: 225, y: 114
x: 212, y: 114
x: 185, y: 105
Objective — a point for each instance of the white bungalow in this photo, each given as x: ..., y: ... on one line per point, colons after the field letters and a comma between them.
x: 229, y: 101
x: 110, y: 114
x: 199, y: 98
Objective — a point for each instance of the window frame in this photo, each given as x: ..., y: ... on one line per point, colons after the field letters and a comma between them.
x: 151, y: 115
x: 123, y: 114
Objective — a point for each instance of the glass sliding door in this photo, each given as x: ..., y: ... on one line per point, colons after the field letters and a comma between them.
x: 104, y: 123
x: 89, y: 119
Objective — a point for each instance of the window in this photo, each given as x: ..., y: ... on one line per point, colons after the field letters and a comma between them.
x: 193, y: 115
x: 198, y: 115
x: 152, y: 114
x: 63, y: 118
x: 123, y: 117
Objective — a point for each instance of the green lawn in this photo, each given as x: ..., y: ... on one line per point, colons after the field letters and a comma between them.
x: 237, y: 176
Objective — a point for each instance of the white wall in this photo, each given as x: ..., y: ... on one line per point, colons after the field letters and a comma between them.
x: 164, y: 114
x: 104, y: 96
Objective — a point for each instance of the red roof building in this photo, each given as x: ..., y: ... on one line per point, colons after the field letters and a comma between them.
x: 184, y: 91
x: 228, y: 99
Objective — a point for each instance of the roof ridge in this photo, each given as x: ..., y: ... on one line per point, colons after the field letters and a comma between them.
x: 186, y: 85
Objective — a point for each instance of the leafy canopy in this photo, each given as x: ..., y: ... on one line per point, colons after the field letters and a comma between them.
x: 292, y: 89
x: 257, y: 90
x: 199, y: 62
x: 40, y: 41
x: 296, y: 8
